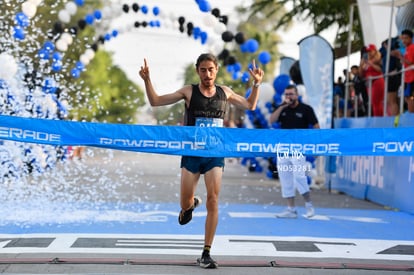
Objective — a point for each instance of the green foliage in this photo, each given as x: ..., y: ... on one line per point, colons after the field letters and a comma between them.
x: 323, y: 14
x: 103, y: 92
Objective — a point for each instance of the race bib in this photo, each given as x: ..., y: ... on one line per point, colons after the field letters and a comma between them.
x: 209, y: 122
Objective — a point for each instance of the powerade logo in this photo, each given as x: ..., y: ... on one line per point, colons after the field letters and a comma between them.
x: 392, y: 147
x: 147, y: 143
x: 289, y: 148
x: 28, y: 135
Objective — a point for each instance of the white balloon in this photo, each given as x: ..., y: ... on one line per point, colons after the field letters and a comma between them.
x: 90, y: 53
x: 8, y: 66
x: 220, y: 28
x: 64, y: 16
x: 29, y: 9
x: 35, y: 2
x: 71, y: 8
x: 61, y: 45
x: 67, y: 37
x: 84, y: 59
x: 210, y: 20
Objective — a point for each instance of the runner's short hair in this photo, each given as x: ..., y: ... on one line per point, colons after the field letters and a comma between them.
x: 206, y: 57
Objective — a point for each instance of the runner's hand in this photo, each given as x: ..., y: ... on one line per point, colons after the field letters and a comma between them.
x: 144, y: 72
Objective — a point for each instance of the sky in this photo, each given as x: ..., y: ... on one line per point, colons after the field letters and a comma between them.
x: 168, y: 51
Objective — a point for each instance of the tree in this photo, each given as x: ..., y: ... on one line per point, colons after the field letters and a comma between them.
x: 323, y: 14
x: 101, y: 91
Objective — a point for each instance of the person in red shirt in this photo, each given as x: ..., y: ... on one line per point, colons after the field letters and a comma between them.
x: 407, y: 59
x: 371, y: 67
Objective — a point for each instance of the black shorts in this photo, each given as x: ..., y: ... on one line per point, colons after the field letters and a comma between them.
x: 200, y: 164
x: 394, y: 82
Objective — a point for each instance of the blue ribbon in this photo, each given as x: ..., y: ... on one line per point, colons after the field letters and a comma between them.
x: 213, y: 141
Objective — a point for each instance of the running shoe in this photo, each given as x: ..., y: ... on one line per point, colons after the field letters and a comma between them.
x: 207, y: 262
x: 186, y: 215
x: 288, y: 214
x: 310, y: 212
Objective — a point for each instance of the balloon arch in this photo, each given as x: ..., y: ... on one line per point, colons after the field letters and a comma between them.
x: 44, y: 100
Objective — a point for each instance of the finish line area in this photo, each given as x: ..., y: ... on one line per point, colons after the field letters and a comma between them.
x: 121, y: 206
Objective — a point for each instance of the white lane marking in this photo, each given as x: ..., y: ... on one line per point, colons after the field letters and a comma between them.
x: 224, y: 245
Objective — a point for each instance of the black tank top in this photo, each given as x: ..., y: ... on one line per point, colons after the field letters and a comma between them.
x: 206, y: 111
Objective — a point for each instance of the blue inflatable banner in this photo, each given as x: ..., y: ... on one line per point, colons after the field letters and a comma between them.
x: 211, y: 141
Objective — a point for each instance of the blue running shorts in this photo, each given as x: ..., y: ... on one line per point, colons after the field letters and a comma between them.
x: 201, y: 164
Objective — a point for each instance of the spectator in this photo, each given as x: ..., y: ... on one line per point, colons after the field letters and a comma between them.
x: 371, y: 67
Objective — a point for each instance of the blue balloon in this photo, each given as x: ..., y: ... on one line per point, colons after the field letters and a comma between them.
x: 75, y: 73
x: 264, y: 57
x: 203, y: 36
x: 18, y: 33
x: 57, y: 56
x: 89, y: 19
x: 107, y: 37
x: 43, y: 54
x: 244, y: 47
x: 57, y: 65
x: 98, y: 14
x: 114, y: 33
x: 80, y: 66
x: 235, y: 75
x: 22, y: 20
x: 49, y: 46
x: 245, y: 77
x: 79, y: 2
x: 280, y: 83
x: 204, y: 5
x: 252, y: 45
x: 237, y: 66
x: 144, y: 9
x: 156, y: 10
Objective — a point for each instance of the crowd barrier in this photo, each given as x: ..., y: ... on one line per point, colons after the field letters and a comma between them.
x: 386, y: 180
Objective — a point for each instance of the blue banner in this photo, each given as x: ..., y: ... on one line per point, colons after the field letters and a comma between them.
x: 317, y: 67
x: 211, y: 141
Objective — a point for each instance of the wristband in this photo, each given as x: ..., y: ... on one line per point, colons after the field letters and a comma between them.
x: 257, y: 85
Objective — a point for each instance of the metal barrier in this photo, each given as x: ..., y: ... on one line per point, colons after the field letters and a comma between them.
x: 369, y: 80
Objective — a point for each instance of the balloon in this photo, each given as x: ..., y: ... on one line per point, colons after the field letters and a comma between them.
x: 97, y: 14
x: 75, y: 73
x: 295, y: 73
x: 80, y: 66
x: 90, y: 53
x: 209, y: 20
x: 67, y: 38
x: 84, y: 59
x: 89, y: 19
x: 57, y: 56
x: 18, y: 33
x: 71, y: 8
x: 280, y: 83
x: 239, y: 37
x: 244, y: 48
x: 49, y: 46
x: 125, y: 8
x: 57, y: 65
x: 22, y: 20
x: 79, y: 2
x: 29, y: 9
x: 235, y: 75
x: 245, y: 77
x: 266, y: 93
x: 252, y: 45
x: 215, y: 12
x: 144, y: 9
x: 203, y: 36
x: 135, y: 7
x: 237, y: 66
x: 64, y: 16
x: 82, y: 24
x: 114, y: 33
x: 61, y: 45
x: 156, y: 10
x: 204, y: 6
x: 227, y: 36
x: 264, y: 57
